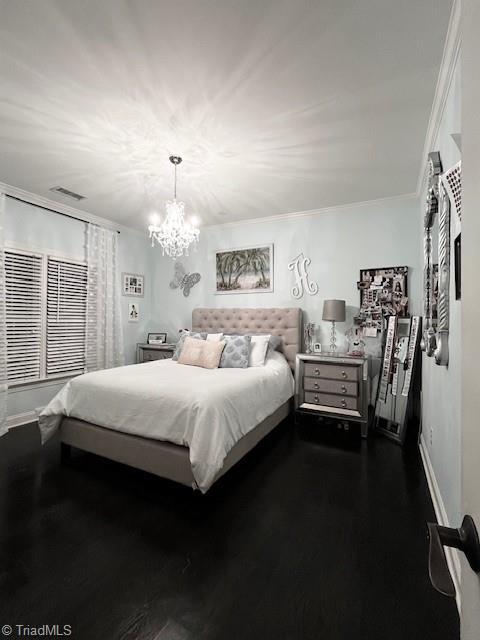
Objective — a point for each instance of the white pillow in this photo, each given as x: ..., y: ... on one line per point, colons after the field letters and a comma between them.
x: 214, y: 337
x: 258, y: 351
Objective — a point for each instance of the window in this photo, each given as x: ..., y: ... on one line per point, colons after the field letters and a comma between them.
x: 46, y: 300
x: 66, y: 313
x: 23, y: 302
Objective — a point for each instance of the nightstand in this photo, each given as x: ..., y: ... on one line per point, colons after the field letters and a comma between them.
x: 149, y: 352
x: 334, y: 386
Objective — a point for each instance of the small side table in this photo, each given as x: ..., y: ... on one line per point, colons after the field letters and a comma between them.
x: 149, y: 352
x: 334, y: 386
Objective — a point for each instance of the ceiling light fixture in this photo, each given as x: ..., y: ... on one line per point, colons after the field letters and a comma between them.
x: 174, y: 235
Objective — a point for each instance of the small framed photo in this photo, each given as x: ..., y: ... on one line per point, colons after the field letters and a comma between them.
x: 133, y: 284
x: 157, y: 338
x: 133, y: 312
x: 317, y: 347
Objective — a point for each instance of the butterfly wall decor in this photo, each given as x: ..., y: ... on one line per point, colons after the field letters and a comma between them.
x: 183, y: 280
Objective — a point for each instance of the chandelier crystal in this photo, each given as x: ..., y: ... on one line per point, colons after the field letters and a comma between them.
x: 175, y: 234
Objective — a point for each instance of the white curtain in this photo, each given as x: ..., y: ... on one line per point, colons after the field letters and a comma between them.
x: 104, y: 339
x: 3, y: 324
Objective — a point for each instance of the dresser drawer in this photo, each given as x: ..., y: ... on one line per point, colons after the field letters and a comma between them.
x: 155, y: 354
x: 330, y: 400
x: 341, y: 387
x: 332, y: 371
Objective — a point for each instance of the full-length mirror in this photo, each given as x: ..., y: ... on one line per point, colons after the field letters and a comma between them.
x: 436, y: 240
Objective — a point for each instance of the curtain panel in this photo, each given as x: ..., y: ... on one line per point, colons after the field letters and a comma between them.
x: 103, y: 339
x: 3, y: 323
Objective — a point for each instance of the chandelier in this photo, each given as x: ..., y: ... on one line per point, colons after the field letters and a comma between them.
x: 174, y: 235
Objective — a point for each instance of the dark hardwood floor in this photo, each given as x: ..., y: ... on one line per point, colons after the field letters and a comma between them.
x: 312, y: 536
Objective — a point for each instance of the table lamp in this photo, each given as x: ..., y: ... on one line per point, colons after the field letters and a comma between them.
x: 333, y: 311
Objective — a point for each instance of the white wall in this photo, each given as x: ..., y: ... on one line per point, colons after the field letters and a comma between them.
x: 470, y: 614
x: 339, y: 243
x: 442, y: 385
x: 36, y: 229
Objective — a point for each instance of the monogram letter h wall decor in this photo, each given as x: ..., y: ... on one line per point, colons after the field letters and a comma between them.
x: 302, y: 280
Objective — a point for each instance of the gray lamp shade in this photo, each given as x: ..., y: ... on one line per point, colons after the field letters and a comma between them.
x: 334, y: 310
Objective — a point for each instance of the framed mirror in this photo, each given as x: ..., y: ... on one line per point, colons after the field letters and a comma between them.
x: 436, y: 269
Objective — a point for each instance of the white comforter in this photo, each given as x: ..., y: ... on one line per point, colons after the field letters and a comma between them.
x: 208, y: 410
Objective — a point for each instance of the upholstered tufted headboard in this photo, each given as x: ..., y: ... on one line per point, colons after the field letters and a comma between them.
x: 285, y: 323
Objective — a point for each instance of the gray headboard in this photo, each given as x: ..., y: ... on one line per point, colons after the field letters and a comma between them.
x: 286, y: 323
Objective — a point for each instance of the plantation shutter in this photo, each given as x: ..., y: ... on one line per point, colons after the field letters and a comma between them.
x: 23, y: 302
x: 66, y: 317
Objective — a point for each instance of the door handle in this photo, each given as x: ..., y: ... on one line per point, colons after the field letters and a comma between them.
x: 465, y: 539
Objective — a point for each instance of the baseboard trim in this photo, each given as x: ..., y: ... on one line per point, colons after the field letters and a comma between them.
x: 22, y: 418
x: 453, y: 559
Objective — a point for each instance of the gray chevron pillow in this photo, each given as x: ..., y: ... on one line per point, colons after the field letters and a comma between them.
x: 236, y: 352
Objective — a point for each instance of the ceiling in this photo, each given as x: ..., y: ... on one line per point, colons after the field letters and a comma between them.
x: 276, y: 106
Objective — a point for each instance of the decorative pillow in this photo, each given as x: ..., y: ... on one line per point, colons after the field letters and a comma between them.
x: 183, y: 335
x: 200, y: 353
x: 214, y: 337
x: 258, y: 351
x: 275, y: 342
x: 236, y: 352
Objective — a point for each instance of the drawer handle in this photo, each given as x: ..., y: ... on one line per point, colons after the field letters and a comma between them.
x: 316, y: 371
x: 344, y: 389
x: 344, y: 404
x: 316, y: 385
x: 344, y: 374
x: 316, y: 399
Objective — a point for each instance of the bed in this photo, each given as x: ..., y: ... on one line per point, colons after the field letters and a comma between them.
x: 209, y: 418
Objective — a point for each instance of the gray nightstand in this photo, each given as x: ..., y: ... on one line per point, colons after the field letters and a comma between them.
x: 149, y: 352
x: 333, y: 386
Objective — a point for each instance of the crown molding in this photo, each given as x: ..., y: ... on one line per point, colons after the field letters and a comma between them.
x: 450, y: 55
x: 311, y: 212
x: 82, y: 216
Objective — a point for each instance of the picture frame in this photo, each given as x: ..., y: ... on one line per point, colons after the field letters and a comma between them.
x: 244, y: 270
x: 317, y: 347
x: 133, y: 312
x: 157, y: 338
x: 383, y: 292
x: 457, y: 247
x: 133, y: 284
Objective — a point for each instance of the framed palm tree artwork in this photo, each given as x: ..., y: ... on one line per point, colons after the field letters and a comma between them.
x: 245, y: 270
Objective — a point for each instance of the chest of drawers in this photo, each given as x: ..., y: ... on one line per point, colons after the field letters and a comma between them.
x: 333, y: 386
x: 149, y: 352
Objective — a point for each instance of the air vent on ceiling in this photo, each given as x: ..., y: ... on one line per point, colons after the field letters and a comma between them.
x: 68, y: 193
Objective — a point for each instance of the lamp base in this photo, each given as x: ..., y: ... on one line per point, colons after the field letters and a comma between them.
x: 333, y: 338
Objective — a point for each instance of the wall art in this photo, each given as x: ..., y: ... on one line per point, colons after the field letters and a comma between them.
x: 183, y: 280
x: 457, y: 245
x: 303, y: 284
x: 383, y: 293
x: 133, y: 284
x: 452, y: 181
x: 133, y: 312
x: 244, y: 270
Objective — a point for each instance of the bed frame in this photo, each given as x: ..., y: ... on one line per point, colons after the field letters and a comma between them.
x: 170, y: 460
